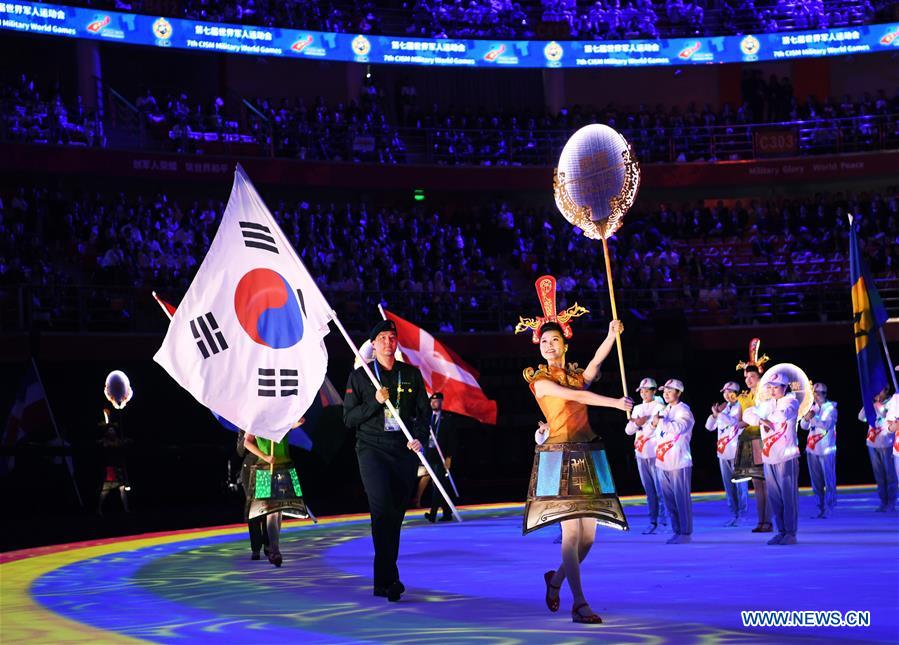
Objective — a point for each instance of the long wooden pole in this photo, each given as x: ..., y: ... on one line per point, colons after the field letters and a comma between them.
x: 605, y: 254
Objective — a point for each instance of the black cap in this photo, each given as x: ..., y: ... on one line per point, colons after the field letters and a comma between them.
x: 381, y: 325
x: 437, y: 395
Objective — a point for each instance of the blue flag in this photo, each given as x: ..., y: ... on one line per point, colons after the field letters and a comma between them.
x: 868, y: 315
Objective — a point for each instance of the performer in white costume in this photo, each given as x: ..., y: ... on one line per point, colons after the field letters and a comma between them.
x: 777, y: 419
x: 645, y: 451
x: 821, y: 450
x: 725, y: 418
x: 674, y: 424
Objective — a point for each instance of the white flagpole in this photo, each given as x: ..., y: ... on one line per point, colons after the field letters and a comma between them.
x: 161, y: 306
x: 886, y: 350
x: 352, y: 345
x: 66, y: 458
x: 433, y: 437
x: 396, y: 415
x: 449, y: 475
x: 883, y: 338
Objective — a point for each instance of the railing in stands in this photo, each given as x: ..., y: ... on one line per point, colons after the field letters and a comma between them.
x: 94, y: 308
x: 245, y: 131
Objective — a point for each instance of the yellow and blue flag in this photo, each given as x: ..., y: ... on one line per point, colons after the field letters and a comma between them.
x: 868, y: 315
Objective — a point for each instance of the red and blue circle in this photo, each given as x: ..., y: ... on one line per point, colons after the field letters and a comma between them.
x: 268, y: 309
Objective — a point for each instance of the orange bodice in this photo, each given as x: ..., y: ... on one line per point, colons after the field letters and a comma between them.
x: 567, y: 419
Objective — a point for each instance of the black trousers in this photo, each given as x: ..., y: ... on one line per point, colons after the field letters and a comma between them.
x: 388, y: 474
x: 258, y: 533
x: 257, y: 525
x: 437, y: 500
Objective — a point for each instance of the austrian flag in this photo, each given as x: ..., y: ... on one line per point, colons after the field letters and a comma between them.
x: 443, y: 371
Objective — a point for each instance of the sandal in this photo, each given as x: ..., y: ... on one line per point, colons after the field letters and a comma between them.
x: 589, y: 619
x: 551, y: 603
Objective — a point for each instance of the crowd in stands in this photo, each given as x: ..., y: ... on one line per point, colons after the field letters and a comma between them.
x: 452, y: 262
x: 30, y: 114
x: 527, y: 19
x: 371, y: 130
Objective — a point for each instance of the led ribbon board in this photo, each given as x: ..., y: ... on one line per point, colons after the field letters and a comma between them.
x: 158, y: 31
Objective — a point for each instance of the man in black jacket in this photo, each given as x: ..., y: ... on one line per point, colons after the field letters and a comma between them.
x: 387, y: 461
x: 443, y: 427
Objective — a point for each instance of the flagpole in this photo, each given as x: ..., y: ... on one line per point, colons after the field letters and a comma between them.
x: 161, y: 306
x: 605, y: 254
x: 239, y: 171
x: 58, y: 436
x: 433, y: 437
x: 883, y: 339
x: 395, y: 413
x: 449, y: 475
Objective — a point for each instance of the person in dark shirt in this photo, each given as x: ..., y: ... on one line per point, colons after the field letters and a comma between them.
x: 387, y: 461
x: 444, y: 426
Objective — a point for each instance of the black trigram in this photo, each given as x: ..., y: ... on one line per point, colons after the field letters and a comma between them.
x: 207, y: 334
x: 284, y: 385
x: 258, y: 236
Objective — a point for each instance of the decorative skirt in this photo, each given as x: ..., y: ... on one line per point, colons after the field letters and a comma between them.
x: 748, y: 460
x: 571, y: 480
x: 275, y: 491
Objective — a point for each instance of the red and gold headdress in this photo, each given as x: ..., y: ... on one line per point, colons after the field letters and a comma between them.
x: 754, y: 358
x: 546, y: 294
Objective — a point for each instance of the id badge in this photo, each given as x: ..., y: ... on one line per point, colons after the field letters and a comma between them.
x: 391, y: 424
x: 431, y: 443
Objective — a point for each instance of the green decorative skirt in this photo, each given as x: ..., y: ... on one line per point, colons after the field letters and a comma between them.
x: 275, y: 491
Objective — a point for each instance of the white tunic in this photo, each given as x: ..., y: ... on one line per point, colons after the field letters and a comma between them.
x: 675, y: 429
x: 892, y: 414
x: 878, y: 436
x: 646, y: 436
x: 822, y: 429
x: 781, y: 443
x: 726, y: 423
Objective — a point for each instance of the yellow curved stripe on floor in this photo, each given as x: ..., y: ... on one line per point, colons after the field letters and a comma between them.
x: 25, y: 620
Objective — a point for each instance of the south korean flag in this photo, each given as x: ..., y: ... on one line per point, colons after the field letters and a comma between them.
x: 247, y: 340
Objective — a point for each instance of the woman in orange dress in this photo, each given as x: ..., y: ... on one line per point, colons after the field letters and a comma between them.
x: 571, y: 482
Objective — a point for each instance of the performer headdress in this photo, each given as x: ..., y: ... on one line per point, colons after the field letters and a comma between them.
x: 546, y: 294
x: 754, y: 359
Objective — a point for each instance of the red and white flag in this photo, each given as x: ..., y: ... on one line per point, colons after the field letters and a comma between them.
x: 443, y: 371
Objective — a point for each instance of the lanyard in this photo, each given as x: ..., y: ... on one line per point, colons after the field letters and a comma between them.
x: 399, y: 386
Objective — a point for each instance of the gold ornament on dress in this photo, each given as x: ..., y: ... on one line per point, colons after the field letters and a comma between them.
x: 571, y: 376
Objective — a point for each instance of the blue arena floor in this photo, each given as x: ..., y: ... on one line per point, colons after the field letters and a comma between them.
x: 475, y: 582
